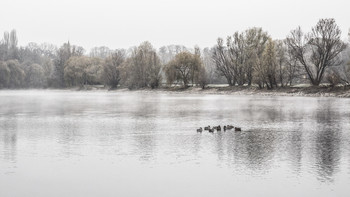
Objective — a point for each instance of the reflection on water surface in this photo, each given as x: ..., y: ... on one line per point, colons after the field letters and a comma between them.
x: 61, y: 143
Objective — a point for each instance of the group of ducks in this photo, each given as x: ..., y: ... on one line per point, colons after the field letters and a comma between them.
x: 218, y: 128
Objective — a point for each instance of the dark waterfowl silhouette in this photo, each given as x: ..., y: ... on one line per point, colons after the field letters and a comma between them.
x: 228, y: 127
x: 218, y: 128
x: 238, y: 129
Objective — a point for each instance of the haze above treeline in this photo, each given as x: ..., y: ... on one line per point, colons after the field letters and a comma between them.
x: 123, y: 24
x: 250, y: 57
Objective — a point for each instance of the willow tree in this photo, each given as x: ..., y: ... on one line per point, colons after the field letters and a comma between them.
x: 184, y: 67
x: 256, y: 40
x: 82, y: 70
x: 16, y: 74
x: 318, y: 49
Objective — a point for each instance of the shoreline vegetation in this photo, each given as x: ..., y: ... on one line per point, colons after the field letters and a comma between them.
x: 248, y: 62
x: 320, y: 91
x: 304, y: 90
x: 301, y: 90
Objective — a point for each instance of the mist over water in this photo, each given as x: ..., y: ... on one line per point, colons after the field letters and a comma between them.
x: 63, y: 143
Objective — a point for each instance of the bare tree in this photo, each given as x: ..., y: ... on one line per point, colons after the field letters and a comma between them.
x: 154, y: 70
x: 111, y: 68
x: 35, y: 76
x: 4, y: 75
x: 237, y: 60
x: 203, y: 77
x: 223, y: 63
x: 317, y: 50
x: 343, y: 73
x: 62, y: 56
x: 8, y: 46
x: 4, y: 46
x: 13, y: 50
x: 270, y: 64
x: 237, y: 53
x: 265, y: 68
x: 100, y: 52
x: 183, y: 67
x: 256, y: 40
x: 65, y: 52
x: 167, y: 53
x: 347, y: 70
x: 143, y: 68
x: 210, y: 68
x: 294, y: 68
x: 281, y: 61
x: 6, y: 39
x: 48, y: 50
x: 288, y: 68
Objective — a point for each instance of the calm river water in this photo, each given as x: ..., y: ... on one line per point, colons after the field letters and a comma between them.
x: 63, y: 143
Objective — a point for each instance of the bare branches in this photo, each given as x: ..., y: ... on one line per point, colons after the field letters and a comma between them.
x: 222, y: 62
x: 143, y: 68
x: 185, y: 66
x: 112, y: 68
x: 317, y: 50
x: 237, y: 60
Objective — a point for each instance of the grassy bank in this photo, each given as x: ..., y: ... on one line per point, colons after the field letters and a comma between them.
x: 321, y: 91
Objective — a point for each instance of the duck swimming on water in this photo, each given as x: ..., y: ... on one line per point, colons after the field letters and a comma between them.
x: 228, y: 127
x: 218, y: 128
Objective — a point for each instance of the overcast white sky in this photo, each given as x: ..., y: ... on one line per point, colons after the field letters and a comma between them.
x: 121, y: 24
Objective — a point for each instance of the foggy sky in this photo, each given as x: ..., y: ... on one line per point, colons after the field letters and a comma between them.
x: 121, y: 24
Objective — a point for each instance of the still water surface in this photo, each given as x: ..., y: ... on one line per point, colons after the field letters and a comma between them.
x: 62, y: 143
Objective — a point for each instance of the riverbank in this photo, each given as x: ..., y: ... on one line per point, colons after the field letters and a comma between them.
x: 307, y: 91
x: 301, y: 90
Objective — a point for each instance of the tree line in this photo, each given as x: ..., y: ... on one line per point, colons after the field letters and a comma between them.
x: 250, y: 57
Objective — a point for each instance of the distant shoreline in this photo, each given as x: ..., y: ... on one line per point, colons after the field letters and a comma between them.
x: 304, y: 91
x: 322, y: 91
